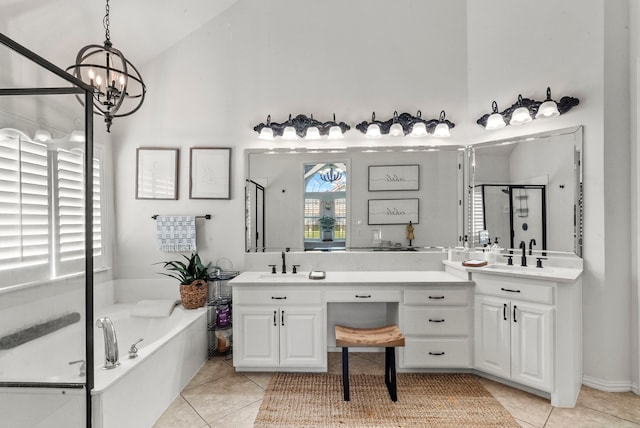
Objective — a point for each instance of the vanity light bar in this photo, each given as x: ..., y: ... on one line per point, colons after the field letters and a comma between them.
x: 301, y: 126
x: 525, y: 110
x: 406, y: 124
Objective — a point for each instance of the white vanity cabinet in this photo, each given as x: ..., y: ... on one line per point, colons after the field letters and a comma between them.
x: 279, y: 328
x: 528, y: 331
x: 437, y: 325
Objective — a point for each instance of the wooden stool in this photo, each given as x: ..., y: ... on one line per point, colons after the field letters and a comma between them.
x: 388, y: 337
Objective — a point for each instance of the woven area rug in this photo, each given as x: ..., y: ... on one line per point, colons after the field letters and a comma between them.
x: 424, y: 400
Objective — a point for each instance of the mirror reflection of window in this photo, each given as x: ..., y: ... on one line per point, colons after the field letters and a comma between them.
x: 325, y: 206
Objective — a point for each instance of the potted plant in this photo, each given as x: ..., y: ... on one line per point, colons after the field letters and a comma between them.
x: 193, y: 280
x: 327, y: 223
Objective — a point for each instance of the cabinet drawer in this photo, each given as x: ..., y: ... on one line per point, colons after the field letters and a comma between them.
x: 364, y: 295
x: 520, y: 289
x: 436, y: 353
x: 436, y: 321
x: 437, y: 297
x: 276, y: 296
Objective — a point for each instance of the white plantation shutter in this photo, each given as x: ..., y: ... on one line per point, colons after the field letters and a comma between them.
x: 24, y: 201
x: 97, y: 207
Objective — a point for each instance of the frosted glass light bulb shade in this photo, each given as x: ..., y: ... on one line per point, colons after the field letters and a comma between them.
x: 335, y: 133
x: 42, y: 136
x: 419, y: 129
x: 77, y: 136
x: 520, y: 116
x: 495, y: 121
x: 313, y: 133
x: 441, y: 131
x: 266, y: 134
x: 547, y: 109
x: 373, y: 131
x: 396, y: 130
x: 289, y: 133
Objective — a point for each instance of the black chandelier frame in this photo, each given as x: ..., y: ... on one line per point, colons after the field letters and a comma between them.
x: 301, y: 123
x: 406, y: 120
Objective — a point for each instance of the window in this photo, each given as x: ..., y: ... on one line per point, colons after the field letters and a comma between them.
x: 42, y: 209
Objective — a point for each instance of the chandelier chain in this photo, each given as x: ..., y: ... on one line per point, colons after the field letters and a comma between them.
x: 105, y: 22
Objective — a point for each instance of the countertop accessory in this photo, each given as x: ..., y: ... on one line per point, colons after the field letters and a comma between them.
x: 317, y: 274
x: 474, y: 263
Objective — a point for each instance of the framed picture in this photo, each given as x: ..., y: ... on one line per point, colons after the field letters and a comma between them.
x: 393, y: 211
x: 210, y: 176
x: 156, y: 173
x: 394, y: 177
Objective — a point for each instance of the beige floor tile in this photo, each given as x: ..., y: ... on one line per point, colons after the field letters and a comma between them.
x: 213, y: 369
x: 583, y: 417
x: 625, y: 405
x: 524, y: 424
x: 260, y: 378
x: 375, y: 357
x: 522, y: 405
x: 180, y: 415
x: 357, y: 365
x: 220, y: 397
x: 242, y: 418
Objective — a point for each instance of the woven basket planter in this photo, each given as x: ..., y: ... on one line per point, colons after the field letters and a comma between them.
x: 194, y: 295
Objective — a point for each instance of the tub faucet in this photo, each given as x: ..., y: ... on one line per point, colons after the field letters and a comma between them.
x: 110, y: 343
x: 523, y: 246
x: 531, y: 244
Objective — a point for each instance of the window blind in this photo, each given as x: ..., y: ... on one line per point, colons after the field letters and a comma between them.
x: 24, y: 202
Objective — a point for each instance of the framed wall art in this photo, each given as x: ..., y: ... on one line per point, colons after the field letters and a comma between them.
x: 156, y: 173
x: 394, y: 177
x: 210, y: 173
x: 393, y: 211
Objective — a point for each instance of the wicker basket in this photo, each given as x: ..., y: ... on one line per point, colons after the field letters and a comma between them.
x: 194, y: 295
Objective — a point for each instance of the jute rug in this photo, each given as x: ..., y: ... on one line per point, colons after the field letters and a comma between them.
x: 424, y: 400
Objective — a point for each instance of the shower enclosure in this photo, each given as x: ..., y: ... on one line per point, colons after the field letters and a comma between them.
x: 47, y: 230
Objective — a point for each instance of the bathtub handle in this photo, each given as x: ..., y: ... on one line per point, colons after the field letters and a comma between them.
x: 133, y: 351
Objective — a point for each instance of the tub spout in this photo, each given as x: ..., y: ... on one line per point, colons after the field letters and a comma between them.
x: 110, y: 343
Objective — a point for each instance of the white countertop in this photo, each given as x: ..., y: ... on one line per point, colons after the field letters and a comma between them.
x: 350, y: 277
x: 550, y: 273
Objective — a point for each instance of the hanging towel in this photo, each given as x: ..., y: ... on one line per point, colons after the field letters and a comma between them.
x: 176, y: 233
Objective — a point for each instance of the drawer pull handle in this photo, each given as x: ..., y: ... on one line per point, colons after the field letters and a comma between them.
x: 509, y: 290
x: 282, y: 318
x: 274, y: 318
x: 504, y: 311
x: 434, y: 320
x: 278, y: 298
x: 436, y: 297
x: 436, y: 353
x: 363, y: 296
x: 514, y: 313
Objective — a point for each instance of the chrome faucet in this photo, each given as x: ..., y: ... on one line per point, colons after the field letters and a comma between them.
x: 523, y: 246
x: 110, y: 343
x: 531, y: 244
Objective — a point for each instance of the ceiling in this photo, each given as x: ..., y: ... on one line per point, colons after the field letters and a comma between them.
x: 141, y: 29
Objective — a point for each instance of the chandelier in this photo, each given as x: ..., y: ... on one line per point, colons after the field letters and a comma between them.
x: 331, y: 174
x: 118, y: 87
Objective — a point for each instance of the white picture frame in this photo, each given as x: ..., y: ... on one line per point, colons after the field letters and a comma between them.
x: 394, y: 177
x: 393, y: 211
x: 210, y: 173
x: 157, y: 173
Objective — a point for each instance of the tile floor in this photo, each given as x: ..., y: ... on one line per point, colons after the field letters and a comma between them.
x: 218, y: 396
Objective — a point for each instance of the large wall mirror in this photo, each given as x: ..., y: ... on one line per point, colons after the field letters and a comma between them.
x: 528, y: 189
x: 289, y: 205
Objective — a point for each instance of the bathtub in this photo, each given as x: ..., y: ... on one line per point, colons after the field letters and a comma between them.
x: 134, y: 394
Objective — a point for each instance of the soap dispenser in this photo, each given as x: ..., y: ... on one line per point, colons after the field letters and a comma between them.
x: 466, y: 243
x: 495, y: 251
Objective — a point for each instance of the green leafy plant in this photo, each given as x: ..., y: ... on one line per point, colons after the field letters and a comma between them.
x: 326, y: 222
x: 188, y: 272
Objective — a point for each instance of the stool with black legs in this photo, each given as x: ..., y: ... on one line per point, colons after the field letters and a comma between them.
x: 388, y: 337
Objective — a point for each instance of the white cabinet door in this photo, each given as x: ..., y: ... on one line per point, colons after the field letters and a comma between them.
x: 255, y: 336
x: 492, y: 336
x: 531, y: 344
x: 301, y: 337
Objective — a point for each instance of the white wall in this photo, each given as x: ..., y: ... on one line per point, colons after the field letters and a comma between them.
x: 351, y: 58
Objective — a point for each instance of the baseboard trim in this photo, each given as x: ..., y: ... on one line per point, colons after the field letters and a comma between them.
x: 608, y: 386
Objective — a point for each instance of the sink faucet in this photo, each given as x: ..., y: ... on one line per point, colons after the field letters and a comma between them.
x: 531, y: 244
x: 284, y: 263
x: 523, y: 246
x: 110, y: 343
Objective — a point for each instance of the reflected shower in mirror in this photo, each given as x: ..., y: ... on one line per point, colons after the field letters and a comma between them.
x: 528, y: 189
